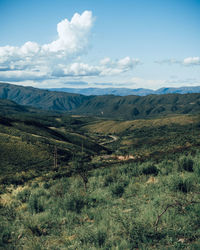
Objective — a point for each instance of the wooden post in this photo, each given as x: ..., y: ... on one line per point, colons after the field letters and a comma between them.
x: 55, y: 158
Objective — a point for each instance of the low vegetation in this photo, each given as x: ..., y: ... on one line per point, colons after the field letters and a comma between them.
x: 88, y: 183
x: 136, y: 205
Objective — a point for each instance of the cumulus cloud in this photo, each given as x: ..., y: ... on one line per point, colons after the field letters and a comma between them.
x: 72, y: 38
x: 76, y: 70
x: 59, y: 58
x: 72, y: 35
x: 111, y: 67
x: 106, y: 67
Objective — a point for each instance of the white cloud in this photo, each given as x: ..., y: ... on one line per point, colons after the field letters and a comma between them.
x: 17, y: 75
x: 111, y: 67
x: 106, y: 67
x: 168, y: 61
x: 61, y: 57
x: 105, y: 61
x: 72, y: 38
x: 29, y: 48
x: 72, y: 35
x: 191, y: 61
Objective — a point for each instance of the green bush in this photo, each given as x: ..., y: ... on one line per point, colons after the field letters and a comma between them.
x: 34, y: 204
x: 108, y: 180
x: 96, y: 237
x: 139, y: 234
x: 24, y: 195
x: 5, y: 236
x: 151, y: 169
x: 46, y: 185
x: 182, y: 184
x: 185, y: 163
x: 35, y: 185
x: 197, y: 169
x: 75, y: 203
x: 117, y: 190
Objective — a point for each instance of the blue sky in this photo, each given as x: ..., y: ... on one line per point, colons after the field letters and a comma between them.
x: 87, y: 43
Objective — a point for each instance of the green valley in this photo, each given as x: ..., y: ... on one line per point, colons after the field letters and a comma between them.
x: 89, y: 182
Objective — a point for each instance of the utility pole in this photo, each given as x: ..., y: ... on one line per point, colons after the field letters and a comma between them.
x: 55, y: 158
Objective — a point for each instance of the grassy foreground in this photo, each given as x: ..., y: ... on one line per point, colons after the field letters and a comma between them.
x: 137, y: 205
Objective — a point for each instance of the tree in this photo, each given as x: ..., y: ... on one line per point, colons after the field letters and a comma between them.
x: 80, y: 166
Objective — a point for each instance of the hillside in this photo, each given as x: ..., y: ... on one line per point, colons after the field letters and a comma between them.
x: 126, y: 107
x: 135, y: 107
x: 57, y: 101
x: 143, y: 195
x: 28, y: 138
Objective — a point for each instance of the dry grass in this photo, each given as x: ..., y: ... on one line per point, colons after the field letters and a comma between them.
x: 107, y: 127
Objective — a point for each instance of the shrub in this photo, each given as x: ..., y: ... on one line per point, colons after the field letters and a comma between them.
x: 95, y: 237
x: 35, y: 205
x: 182, y: 184
x: 197, y: 169
x: 5, y: 236
x: 24, y: 195
x: 185, y: 163
x: 117, y: 190
x: 46, y: 185
x: 75, y: 203
x: 132, y: 169
x: 151, y: 169
x: 35, y: 185
x: 108, y: 180
x: 100, y: 238
x: 142, y: 234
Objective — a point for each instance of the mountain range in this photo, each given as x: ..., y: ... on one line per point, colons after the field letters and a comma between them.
x: 127, y: 91
x: 110, y: 106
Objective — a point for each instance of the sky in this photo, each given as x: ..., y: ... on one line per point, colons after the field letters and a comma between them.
x: 100, y: 43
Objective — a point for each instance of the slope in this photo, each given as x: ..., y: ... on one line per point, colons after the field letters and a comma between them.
x: 38, y: 98
x: 109, y: 106
x: 28, y: 142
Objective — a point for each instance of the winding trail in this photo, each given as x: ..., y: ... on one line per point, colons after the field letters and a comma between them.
x: 114, y: 138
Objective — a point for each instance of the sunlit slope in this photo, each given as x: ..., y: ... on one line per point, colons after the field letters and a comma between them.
x: 113, y: 126
x: 28, y: 142
x: 155, y: 138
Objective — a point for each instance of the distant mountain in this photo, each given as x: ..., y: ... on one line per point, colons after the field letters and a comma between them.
x: 105, y: 91
x: 181, y: 90
x: 110, y: 106
x: 126, y: 91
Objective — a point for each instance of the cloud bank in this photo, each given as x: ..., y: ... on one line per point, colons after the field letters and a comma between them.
x: 106, y: 67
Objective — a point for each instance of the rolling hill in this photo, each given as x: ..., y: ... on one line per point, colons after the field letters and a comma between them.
x: 135, y: 107
x: 57, y: 101
x: 110, y: 106
x: 28, y: 138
